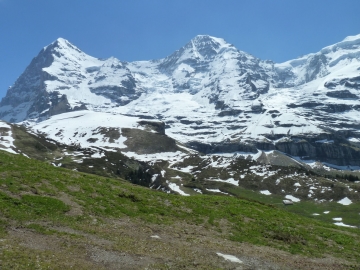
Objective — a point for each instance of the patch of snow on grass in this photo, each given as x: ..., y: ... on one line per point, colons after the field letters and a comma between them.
x: 175, y: 156
x: 326, y: 212
x: 230, y: 258
x: 344, y: 225
x: 345, y: 201
x: 294, y: 199
x: 187, y: 169
x: 265, y: 192
x: 98, y: 155
x: 216, y: 190
x: 337, y: 218
x: 230, y: 181
x: 176, y: 188
x: 262, y: 170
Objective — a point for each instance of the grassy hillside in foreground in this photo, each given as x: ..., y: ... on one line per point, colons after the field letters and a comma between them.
x: 56, y: 218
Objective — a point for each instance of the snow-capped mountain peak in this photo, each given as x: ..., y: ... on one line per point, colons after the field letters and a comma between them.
x: 207, y: 92
x: 199, y: 50
x: 60, y: 43
x: 207, y: 46
x: 61, y: 47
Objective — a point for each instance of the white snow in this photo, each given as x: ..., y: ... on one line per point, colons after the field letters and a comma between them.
x: 86, y: 127
x: 176, y: 188
x: 216, y: 190
x: 344, y: 225
x: 265, y: 192
x: 6, y: 138
x: 230, y: 258
x: 98, y: 155
x: 230, y: 181
x: 153, y: 178
x: 292, y: 198
x: 187, y: 169
x: 337, y: 219
x: 168, y: 156
x: 345, y: 201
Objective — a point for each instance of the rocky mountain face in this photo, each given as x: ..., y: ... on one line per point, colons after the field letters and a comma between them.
x: 208, y: 95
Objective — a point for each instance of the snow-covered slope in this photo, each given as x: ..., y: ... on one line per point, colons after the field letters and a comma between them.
x: 327, y: 63
x: 211, y: 97
x: 6, y: 138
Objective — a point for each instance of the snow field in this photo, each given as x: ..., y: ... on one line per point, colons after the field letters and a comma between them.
x: 6, y: 139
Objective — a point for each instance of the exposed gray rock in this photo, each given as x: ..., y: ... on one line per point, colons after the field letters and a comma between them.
x: 225, y: 147
x: 344, y: 94
x: 158, y: 127
x: 352, y: 83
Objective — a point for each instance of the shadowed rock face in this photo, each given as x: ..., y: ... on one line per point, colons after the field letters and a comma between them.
x: 331, y: 148
x: 59, y: 105
x: 351, y: 82
x: 29, y: 96
x: 225, y: 147
x: 334, y: 149
x: 344, y: 94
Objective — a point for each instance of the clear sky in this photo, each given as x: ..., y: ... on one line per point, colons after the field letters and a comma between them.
x: 277, y: 30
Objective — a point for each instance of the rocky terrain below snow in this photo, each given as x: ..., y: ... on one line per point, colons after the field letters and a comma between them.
x: 144, y: 155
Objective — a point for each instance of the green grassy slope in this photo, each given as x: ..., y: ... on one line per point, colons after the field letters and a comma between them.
x: 56, y: 218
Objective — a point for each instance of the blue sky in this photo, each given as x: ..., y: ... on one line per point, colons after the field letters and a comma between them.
x: 129, y: 30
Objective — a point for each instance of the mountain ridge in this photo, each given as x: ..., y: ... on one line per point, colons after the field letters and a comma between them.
x: 229, y: 99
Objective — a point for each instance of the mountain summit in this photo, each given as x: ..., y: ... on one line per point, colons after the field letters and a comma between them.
x: 200, y: 48
x: 211, y: 96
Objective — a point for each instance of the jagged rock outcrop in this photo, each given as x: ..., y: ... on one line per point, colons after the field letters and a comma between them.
x: 158, y: 127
